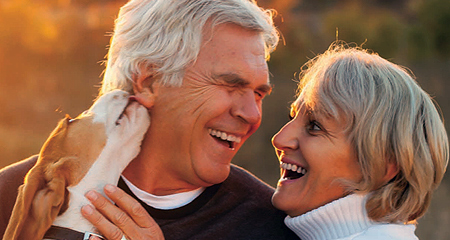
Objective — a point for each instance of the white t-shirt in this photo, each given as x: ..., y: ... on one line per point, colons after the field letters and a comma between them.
x: 164, y: 202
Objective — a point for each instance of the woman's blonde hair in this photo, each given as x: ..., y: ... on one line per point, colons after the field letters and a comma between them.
x: 389, y: 119
x: 166, y: 35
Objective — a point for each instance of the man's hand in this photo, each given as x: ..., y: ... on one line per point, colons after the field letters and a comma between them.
x: 128, y: 219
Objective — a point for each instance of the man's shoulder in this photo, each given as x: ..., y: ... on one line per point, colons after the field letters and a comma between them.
x: 246, y: 186
x: 17, y: 171
x: 245, y: 179
x: 11, y: 177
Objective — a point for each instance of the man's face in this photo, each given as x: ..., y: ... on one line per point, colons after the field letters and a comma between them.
x: 220, y: 98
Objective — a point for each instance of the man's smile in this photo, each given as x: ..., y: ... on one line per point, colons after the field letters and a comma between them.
x: 228, y: 138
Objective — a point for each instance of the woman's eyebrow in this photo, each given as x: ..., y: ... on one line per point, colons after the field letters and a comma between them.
x: 298, y: 105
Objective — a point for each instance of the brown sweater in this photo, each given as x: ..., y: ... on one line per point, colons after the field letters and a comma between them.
x: 238, y: 208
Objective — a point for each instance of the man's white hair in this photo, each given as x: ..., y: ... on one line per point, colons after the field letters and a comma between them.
x: 166, y: 36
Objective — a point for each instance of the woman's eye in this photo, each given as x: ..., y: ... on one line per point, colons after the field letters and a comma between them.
x: 314, y: 126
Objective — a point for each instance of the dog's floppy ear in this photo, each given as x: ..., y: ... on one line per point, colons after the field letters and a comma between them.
x: 37, y: 205
x: 33, y: 182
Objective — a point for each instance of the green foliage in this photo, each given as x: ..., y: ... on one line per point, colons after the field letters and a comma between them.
x: 430, y: 33
x: 379, y: 28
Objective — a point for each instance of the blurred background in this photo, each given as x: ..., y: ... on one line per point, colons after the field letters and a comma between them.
x: 51, y: 54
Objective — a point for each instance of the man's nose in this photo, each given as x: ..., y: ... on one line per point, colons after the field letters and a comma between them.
x: 247, y: 108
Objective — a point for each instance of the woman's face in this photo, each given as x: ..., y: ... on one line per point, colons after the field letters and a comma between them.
x: 314, y: 153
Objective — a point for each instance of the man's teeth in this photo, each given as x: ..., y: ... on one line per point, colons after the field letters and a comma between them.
x: 294, y: 168
x: 224, y: 136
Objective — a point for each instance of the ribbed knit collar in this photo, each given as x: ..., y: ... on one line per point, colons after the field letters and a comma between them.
x: 338, y: 219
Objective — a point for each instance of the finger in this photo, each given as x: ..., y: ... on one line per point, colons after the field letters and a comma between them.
x: 130, y: 206
x: 106, y: 228
x: 107, y: 218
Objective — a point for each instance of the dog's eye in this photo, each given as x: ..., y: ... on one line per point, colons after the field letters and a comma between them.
x: 71, y: 120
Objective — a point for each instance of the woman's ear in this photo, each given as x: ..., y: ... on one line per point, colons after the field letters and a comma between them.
x: 391, y: 171
x: 145, y: 87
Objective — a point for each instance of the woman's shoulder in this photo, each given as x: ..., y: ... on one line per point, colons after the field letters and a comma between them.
x: 388, y: 231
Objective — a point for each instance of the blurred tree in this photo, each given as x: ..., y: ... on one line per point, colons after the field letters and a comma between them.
x: 49, y: 55
x: 358, y: 22
x: 429, y: 33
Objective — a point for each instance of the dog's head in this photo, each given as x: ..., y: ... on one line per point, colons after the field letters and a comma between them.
x: 68, y: 154
x: 93, y: 126
x: 108, y: 109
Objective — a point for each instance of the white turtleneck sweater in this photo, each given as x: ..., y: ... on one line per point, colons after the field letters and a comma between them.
x: 346, y: 219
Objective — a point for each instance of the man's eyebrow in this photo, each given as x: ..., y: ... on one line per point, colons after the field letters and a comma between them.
x: 266, y: 88
x: 235, y: 80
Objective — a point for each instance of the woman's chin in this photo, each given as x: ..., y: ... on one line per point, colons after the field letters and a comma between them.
x: 282, y: 202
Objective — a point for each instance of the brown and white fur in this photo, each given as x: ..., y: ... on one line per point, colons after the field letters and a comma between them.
x: 81, y: 154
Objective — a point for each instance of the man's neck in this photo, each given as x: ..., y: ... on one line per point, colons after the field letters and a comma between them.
x: 152, y: 179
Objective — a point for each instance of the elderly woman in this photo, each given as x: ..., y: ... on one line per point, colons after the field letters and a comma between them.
x: 363, y: 152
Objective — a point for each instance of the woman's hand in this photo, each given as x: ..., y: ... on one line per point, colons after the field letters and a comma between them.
x: 128, y: 219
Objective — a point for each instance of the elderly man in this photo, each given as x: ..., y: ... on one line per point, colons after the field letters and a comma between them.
x: 199, y: 66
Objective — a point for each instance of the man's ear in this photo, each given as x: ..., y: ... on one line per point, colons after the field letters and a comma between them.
x: 145, y: 87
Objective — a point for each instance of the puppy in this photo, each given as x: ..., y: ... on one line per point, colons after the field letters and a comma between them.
x: 81, y: 154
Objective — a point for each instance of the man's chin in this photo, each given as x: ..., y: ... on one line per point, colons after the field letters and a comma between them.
x: 215, y: 175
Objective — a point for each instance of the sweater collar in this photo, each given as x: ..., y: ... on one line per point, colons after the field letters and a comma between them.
x: 340, y: 218
x: 180, y: 212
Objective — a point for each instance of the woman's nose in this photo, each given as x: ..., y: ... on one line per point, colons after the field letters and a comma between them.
x: 287, y: 137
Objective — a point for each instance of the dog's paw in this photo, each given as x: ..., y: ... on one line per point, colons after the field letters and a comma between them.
x: 134, y: 123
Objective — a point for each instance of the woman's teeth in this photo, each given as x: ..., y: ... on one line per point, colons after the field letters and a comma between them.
x: 292, y: 167
x: 292, y: 171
